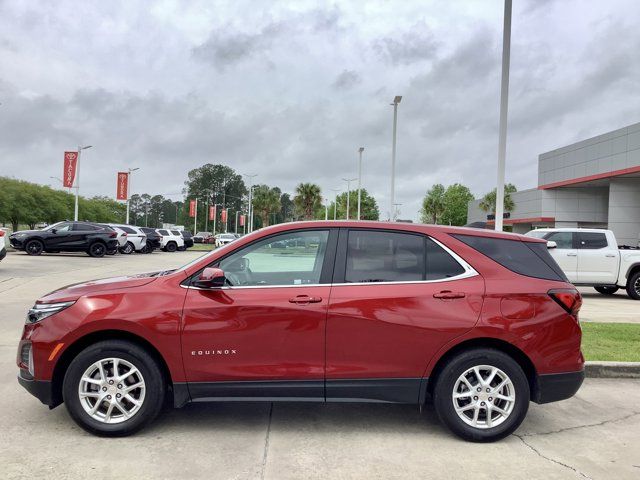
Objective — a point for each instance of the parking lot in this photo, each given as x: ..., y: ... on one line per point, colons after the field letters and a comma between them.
x: 594, y: 435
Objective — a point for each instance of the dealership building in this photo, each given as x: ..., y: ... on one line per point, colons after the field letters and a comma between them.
x: 594, y: 183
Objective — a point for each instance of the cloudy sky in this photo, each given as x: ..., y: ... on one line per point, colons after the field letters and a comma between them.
x: 290, y: 90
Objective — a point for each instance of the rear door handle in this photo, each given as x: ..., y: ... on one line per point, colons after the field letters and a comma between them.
x: 305, y: 299
x: 447, y: 295
x: 572, y: 254
x: 610, y: 255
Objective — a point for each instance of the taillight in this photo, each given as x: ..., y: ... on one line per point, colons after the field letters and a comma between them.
x: 123, y: 234
x: 1, y: 233
x: 569, y: 299
x: 113, y: 235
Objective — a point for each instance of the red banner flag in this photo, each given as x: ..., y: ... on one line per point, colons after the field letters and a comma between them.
x: 212, y: 212
x: 242, y: 220
x: 122, y: 189
x: 69, y: 173
x: 223, y: 216
x: 192, y: 208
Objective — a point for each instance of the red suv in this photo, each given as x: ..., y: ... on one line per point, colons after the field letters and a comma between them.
x: 477, y: 322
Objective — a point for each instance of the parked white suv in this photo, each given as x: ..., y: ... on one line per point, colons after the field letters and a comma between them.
x: 224, y: 238
x: 171, y: 240
x: 3, y: 248
x: 591, y: 257
x: 136, y: 239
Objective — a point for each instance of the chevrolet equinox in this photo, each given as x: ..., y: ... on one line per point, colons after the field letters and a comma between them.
x: 477, y: 322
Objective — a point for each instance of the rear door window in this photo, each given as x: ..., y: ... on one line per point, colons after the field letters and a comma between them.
x: 440, y: 264
x: 592, y: 240
x: 377, y: 256
x: 164, y: 233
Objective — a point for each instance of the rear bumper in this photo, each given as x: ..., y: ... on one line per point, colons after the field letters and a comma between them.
x: 41, y: 389
x: 557, y: 386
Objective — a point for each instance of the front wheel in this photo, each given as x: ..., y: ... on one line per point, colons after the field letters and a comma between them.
x: 633, y: 286
x: 34, y: 247
x: 113, y: 388
x: 482, y: 395
x: 606, y: 290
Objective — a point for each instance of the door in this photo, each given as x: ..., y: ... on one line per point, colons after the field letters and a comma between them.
x: 81, y: 233
x: 397, y: 298
x: 565, y: 254
x: 61, y: 239
x: 263, y: 334
x: 597, y: 262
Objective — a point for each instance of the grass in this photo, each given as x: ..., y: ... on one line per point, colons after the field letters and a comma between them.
x: 201, y: 247
x: 611, y: 341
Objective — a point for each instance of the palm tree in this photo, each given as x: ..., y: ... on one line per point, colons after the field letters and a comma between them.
x: 266, y: 201
x: 307, y: 200
x: 488, y: 202
x: 433, y: 204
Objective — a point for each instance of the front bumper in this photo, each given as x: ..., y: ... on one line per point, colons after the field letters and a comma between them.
x: 16, y: 243
x: 557, y: 386
x: 41, y: 389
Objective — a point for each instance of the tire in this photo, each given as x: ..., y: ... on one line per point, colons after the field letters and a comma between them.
x: 606, y: 290
x: 128, y: 248
x: 450, y: 378
x: 109, y: 420
x: 34, y: 247
x: 171, y: 247
x: 97, y: 249
x: 633, y: 286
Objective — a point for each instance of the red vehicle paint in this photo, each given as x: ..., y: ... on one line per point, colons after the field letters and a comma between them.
x: 305, y: 330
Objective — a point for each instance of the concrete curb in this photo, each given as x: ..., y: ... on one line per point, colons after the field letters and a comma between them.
x: 612, y: 369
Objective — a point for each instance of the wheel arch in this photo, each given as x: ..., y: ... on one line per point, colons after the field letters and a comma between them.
x: 97, y: 336
x: 635, y: 267
x: 486, y: 342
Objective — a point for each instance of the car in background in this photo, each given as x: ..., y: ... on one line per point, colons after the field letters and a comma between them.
x: 479, y: 323
x: 122, y: 237
x: 94, y: 239
x: 154, y: 239
x: 3, y: 248
x: 136, y: 239
x: 202, y: 237
x: 188, y: 239
x: 592, y: 257
x: 171, y: 240
x: 224, y: 239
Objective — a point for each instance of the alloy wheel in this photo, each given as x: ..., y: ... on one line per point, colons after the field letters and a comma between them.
x: 34, y: 248
x: 111, y: 390
x: 483, y: 396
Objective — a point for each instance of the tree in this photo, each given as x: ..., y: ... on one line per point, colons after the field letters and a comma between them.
x: 307, y: 200
x: 266, y: 201
x: 433, y: 204
x: 287, y: 209
x: 456, y: 201
x: 368, y: 207
x: 488, y: 202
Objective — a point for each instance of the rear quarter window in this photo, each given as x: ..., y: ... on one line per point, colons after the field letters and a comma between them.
x: 526, y: 258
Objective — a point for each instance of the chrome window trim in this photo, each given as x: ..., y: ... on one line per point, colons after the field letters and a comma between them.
x: 469, y: 272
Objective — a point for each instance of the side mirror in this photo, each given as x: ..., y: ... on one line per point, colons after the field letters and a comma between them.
x: 53, y: 230
x: 552, y: 244
x: 210, y: 278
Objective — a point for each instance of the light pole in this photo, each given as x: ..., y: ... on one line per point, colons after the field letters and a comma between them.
x: 348, y: 180
x: 335, y: 202
x: 250, y: 210
x: 236, y: 229
x: 75, y: 210
x: 360, y: 150
x: 395, y: 103
x: 195, y: 217
x: 396, y: 209
x: 504, y: 102
x: 131, y: 170
x: 326, y: 209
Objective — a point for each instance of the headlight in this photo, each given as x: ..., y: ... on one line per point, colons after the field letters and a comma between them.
x: 40, y: 311
x: 19, y: 235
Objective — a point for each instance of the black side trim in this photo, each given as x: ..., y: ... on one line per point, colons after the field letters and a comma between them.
x: 394, y: 390
x: 557, y: 386
x: 270, y: 391
x: 41, y: 389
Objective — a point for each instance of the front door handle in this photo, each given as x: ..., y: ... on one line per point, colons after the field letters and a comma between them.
x: 572, y: 254
x: 448, y: 295
x: 610, y: 255
x: 305, y: 299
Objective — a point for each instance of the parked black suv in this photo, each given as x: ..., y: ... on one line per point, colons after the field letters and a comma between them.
x: 94, y: 239
x: 154, y: 239
x: 188, y: 239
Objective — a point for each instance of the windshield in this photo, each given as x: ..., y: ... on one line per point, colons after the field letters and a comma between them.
x: 536, y: 233
x: 51, y: 226
x: 202, y: 234
x: 227, y: 235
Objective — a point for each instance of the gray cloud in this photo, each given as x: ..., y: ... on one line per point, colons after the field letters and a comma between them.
x: 347, y: 79
x: 415, y: 45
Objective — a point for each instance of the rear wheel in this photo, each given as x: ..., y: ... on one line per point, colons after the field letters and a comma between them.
x: 113, y: 388
x: 34, y: 247
x: 171, y: 247
x: 97, y: 249
x: 128, y: 248
x: 633, y: 286
x: 482, y: 395
x: 606, y: 290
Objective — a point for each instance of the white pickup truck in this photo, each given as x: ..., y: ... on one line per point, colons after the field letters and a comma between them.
x: 590, y: 256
